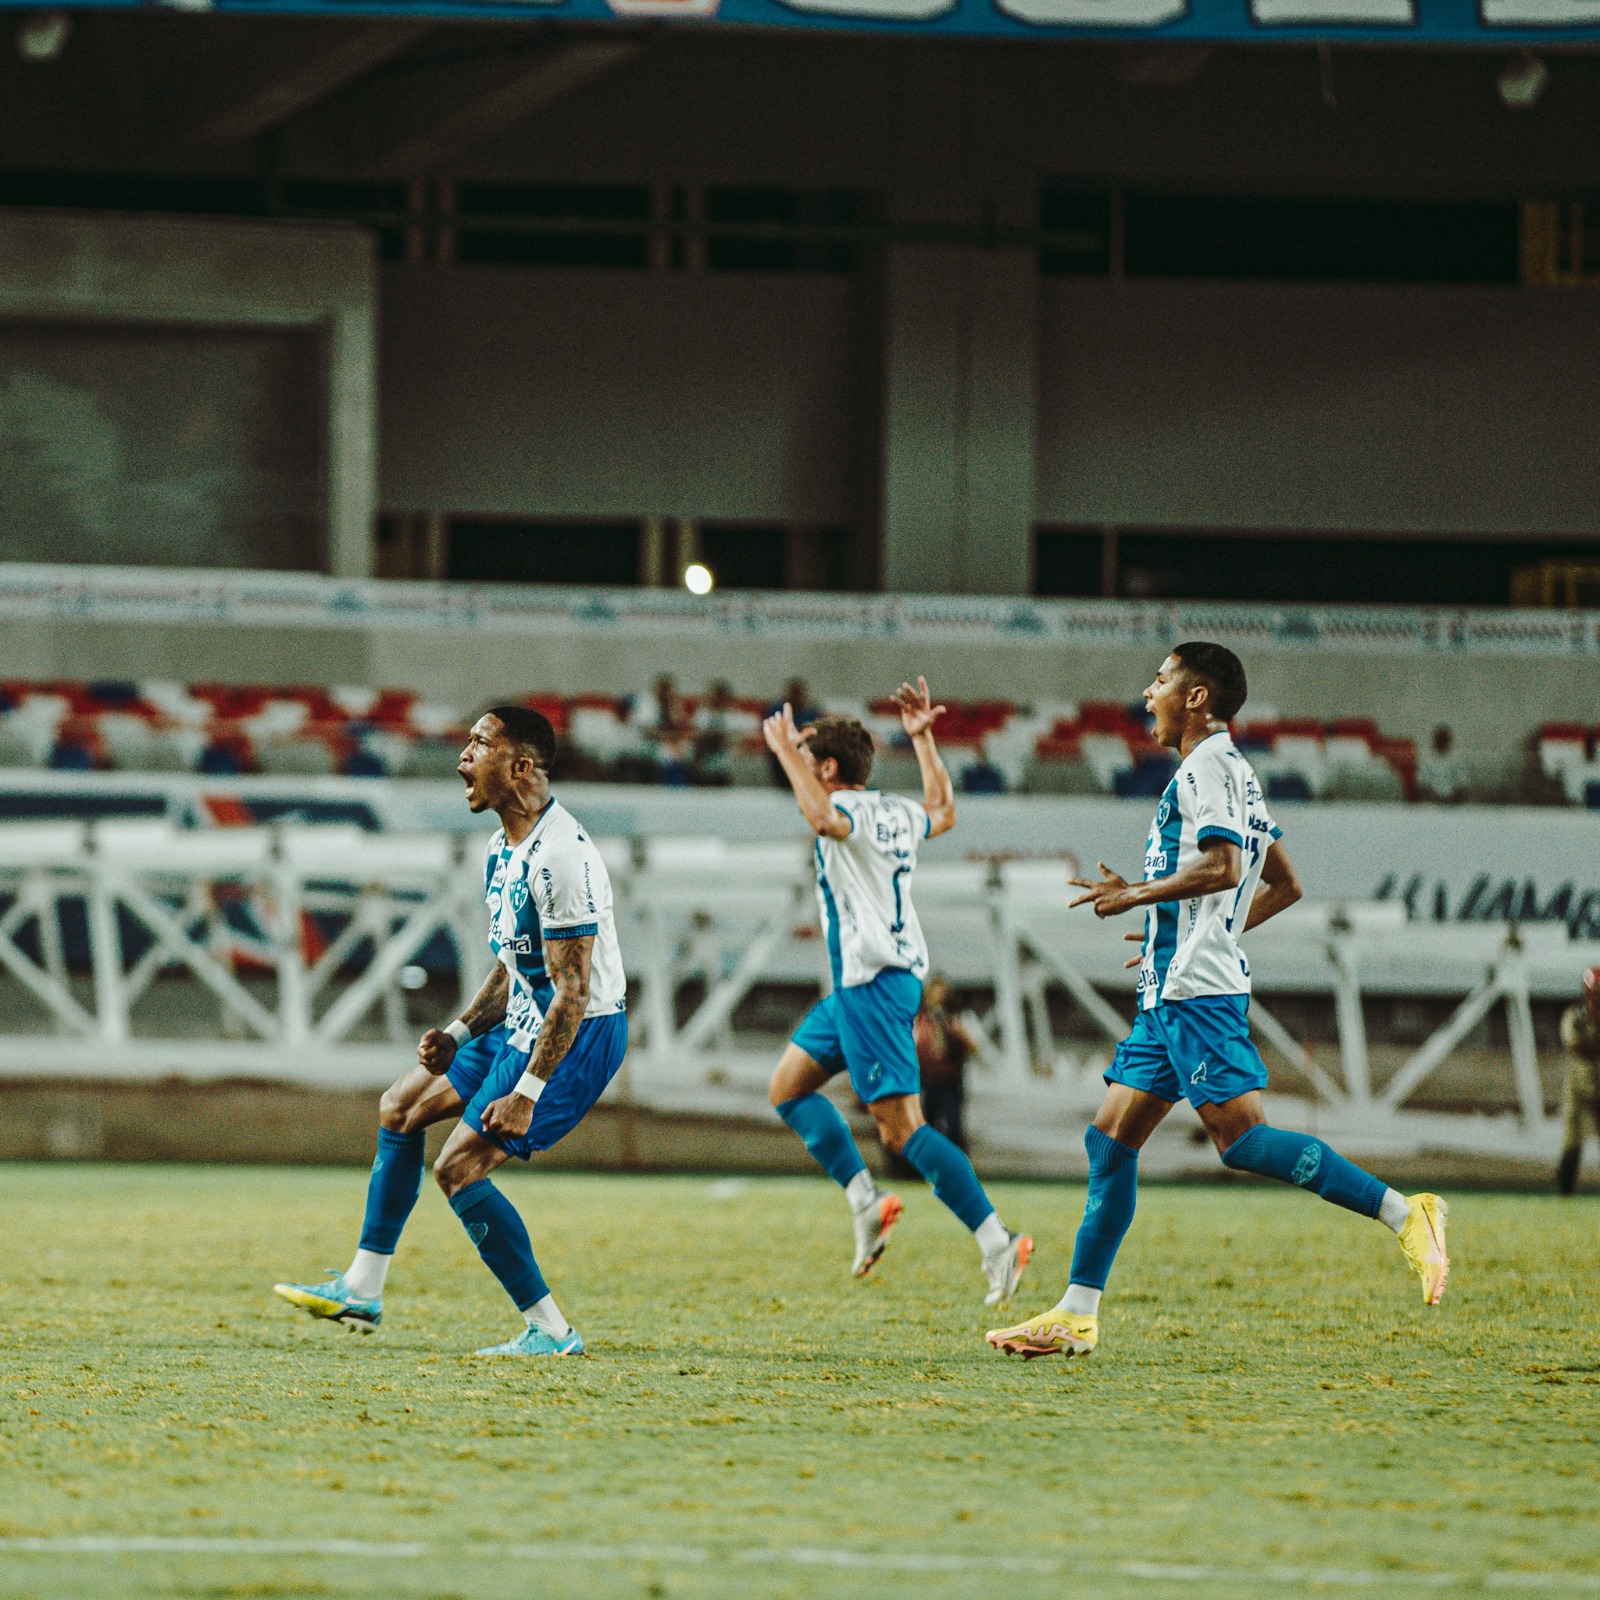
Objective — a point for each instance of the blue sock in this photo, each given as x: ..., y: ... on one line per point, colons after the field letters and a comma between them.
x: 1108, y: 1211
x: 1302, y: 1159
x: 492, y: 1223
x: 392, y: 1190
x: 950, y: 1174
x: 826, y: 1134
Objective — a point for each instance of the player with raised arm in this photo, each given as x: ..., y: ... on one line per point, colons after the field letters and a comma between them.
x: 1214, y: 867
x: 523, y: 1063
x: 866, y: 851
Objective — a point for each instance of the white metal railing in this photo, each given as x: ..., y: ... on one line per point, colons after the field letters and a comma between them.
x: 704, y: 918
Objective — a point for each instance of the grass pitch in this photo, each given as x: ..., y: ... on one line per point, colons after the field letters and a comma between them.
x: 1272, y: 1409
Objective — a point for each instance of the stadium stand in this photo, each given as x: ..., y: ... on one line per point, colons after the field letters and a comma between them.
x: 663, y: 737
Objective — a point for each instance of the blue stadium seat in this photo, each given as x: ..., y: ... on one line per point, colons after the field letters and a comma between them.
x: 67, y: 756
x: 1287, y: 786
x: 981, y: 778
x: 219, y: 761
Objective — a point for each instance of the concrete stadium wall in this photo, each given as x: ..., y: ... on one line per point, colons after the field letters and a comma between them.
x: 617, y: 394
x: 1318, y: 407
x: 1249, y: 406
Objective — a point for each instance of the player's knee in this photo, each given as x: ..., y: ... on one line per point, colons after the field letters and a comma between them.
x: 396, y: 1110
x: 450, y: 1171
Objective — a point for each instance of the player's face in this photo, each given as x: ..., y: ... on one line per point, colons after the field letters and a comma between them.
x: 1164, y: 699
x: 485, y: 764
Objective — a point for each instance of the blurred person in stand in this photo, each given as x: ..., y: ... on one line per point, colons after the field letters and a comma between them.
x: 943, y: 1049
x: 803, y: 709
x: 670, y: 731
x: 1440, y: 775
x: 1580, y: 1092
x: 712, y: 735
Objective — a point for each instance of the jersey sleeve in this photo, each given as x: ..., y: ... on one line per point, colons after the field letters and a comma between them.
x: 921, y: 822
x: 562, y: 881
x: 1214, y: 802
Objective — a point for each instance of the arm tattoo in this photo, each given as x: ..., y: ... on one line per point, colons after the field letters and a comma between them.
x: 567, y: 962
x: 489, y: 1004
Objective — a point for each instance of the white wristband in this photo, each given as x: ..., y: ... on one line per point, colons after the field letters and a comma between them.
x: 528, y: 1086
x: 459, y: 1031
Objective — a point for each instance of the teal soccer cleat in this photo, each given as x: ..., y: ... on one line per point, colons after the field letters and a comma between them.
x: 536, y: 1342
x: 331, y: 1300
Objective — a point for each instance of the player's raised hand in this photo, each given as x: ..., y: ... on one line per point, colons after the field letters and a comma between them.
x: 918, y: 713
x: 436, y: 1050
x: 779, y: 730
x: 509, y: 1117
x: 1109, y: 894
x: 1138, y: 960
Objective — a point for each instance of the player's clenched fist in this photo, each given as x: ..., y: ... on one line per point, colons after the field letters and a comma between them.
x: 436, y: 1050
x: 509, y: 1117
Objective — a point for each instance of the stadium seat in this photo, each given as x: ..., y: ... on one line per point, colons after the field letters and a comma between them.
x: 1288, y: 786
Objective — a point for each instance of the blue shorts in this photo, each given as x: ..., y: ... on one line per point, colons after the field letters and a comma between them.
x: 486, y: 1069
x: 866, y: 1031
x: 1196, y: 1050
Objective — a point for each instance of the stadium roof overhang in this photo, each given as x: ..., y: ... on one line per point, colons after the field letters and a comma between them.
x: 1515, y: 23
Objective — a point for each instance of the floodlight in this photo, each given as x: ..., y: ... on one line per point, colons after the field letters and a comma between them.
x: 43, y: 36
x: 1521, y: 82
x: 697, y: 579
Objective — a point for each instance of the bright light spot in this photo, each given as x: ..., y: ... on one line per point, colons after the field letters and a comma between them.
x: 697, y: 579
x: 413, y: 977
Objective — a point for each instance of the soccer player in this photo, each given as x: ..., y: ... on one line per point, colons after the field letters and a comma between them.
x: 866, y: 851
x: 1214, y: 867
x: 1580, y: 1089
x: 523, y: 1063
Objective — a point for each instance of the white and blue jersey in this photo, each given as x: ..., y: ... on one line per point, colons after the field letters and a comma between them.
x: 875, y: 946
x: 1191, y: 947
x: 553, y: 885
x: 864, y: 888
x: 516, y: 940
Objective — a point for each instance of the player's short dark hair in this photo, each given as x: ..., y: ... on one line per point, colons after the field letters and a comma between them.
x: 1220, y: 670
x: 529, y: 731
x: 847, y: 742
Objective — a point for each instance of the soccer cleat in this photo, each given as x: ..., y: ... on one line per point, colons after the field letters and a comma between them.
x: 873, y: 1225
x: 333, y: 1301
x: 1052, y: 1333
x: 536, y: 1342
x: 1422, y: 1240
x: 1004, y: 1268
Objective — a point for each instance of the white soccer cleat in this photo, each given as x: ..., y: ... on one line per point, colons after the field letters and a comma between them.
x: 873, y: 1225
x: 1004, y: 1268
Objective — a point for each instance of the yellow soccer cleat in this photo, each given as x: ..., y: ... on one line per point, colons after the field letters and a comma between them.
x: 1422, y: 1239
x: 1052, y: 1333
x: 333, y: 1301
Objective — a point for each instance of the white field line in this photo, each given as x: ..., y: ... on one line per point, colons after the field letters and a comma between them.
x: 798, y: 1555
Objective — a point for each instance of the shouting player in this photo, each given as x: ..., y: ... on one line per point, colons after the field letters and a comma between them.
x: 1214, y: 867
x: 866, y: 851
x: 523, y: 1063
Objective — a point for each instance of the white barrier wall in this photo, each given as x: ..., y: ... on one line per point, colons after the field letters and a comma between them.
x: 1445, y: 864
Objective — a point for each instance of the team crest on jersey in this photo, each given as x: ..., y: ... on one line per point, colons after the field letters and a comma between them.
x: 518, y: 895
x: 1163, y: 812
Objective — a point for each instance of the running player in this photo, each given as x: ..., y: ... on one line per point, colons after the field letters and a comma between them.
x: 866, y: 851
x: 523, y: 1063
x: 1213, y: 854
